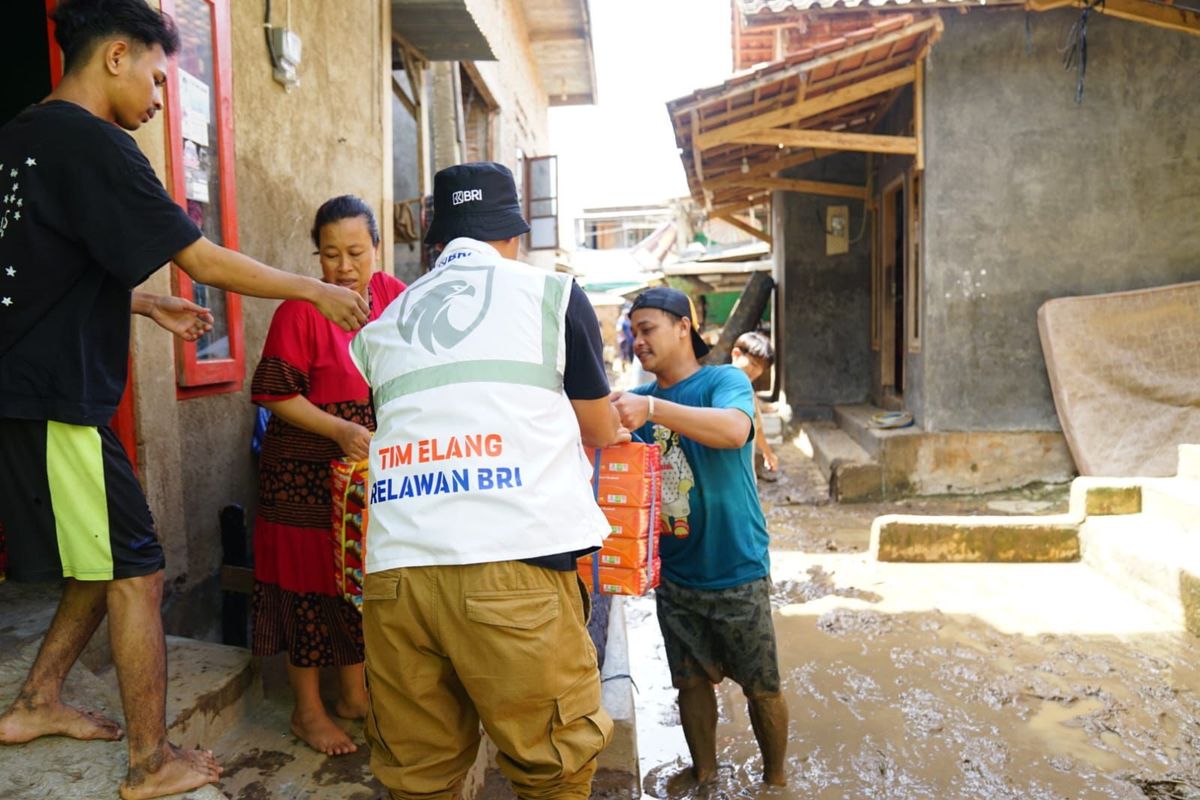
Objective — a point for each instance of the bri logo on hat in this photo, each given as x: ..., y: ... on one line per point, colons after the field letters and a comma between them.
x: 466, y: 196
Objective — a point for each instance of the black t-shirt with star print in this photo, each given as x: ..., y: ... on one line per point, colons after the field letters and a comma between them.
x: 83, y: 220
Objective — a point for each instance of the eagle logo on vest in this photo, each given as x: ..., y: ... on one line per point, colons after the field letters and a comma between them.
x: 448, y: 310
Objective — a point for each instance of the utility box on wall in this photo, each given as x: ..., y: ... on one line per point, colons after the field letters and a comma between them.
x: 837, y: 230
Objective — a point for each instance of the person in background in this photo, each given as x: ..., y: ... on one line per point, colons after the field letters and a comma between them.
x: 84, y: 222
x: 714, y: 602
x: 753, y: 354
x: 320, y: 410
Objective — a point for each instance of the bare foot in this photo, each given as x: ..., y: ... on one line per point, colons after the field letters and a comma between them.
x: 775, y: 778
x: 176, y: 771
x: 24, y: 722
x: 351, y: 709
x: 322, y: 734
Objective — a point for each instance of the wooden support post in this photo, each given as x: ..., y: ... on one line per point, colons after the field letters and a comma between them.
x: 919, y: 115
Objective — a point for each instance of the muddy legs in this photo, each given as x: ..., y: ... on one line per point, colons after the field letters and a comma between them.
x: 769, y: 718
x: 156, y: 767
x: 698, y: 714
x: 38, y: 709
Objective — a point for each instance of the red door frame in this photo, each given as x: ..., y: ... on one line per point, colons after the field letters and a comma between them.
x: 198, y: 378
x: 124, y: 422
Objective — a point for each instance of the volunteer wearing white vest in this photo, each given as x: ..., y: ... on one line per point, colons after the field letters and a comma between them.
x: 488, y: 381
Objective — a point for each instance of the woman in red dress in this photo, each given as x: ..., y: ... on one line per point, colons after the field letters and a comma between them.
x: 320, y: 410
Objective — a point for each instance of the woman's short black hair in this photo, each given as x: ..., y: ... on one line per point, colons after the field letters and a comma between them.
x: 79, y: 25
x: 346, y: 206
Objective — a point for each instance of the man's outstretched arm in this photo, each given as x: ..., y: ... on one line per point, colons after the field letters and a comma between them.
x: 218, y: 266
x: 721, y: 428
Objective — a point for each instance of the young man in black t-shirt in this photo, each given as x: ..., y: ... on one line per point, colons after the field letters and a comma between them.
x: 83, y: 220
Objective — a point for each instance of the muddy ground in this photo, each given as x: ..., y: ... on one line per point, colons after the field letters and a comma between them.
x: 927, y: 704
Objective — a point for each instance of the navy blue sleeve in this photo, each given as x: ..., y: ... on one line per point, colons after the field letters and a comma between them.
x: 584, y: 377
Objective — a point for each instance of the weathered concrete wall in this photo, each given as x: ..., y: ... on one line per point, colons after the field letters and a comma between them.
x: 293, y: 150
x: 522, y: 128
x: 1030, y: 196
x: 827, y: 299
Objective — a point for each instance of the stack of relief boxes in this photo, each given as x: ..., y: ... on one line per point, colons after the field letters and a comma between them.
x: 628, y: 486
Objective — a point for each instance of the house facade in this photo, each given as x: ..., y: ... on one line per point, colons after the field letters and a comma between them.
x: 256, y: 133
x: 932, y: 178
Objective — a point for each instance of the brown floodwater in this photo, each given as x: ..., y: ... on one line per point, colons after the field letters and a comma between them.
x: 932, y: 706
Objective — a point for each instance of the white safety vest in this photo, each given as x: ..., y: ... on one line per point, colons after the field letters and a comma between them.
x: 476, y: 457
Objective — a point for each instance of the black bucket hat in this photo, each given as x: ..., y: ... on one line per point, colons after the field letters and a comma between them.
x: 478, y: 200
x: 679, y: 304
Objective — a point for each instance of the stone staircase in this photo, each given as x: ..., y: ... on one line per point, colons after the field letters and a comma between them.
x: 1141, y: 533
x: 220, y: 698
x: 862, y: 462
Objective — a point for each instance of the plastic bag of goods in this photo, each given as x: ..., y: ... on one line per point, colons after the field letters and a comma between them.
x: 349, y: 530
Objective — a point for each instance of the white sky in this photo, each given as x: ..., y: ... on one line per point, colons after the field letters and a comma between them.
x: 622, y: 150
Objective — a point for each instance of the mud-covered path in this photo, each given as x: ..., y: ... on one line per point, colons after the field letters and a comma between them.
x: 941, y: 681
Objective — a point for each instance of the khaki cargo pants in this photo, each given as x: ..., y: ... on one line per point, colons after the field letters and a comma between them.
x: 504, y: 644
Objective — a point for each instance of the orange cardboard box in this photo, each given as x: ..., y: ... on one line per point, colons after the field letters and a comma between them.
x: 624, y: 552
x: 629, y: 458
x: 620, y: 580
x: 628, y: 475
x: 626, y: 522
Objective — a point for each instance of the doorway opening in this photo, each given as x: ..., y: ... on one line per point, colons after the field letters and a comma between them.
x: 890, y: 290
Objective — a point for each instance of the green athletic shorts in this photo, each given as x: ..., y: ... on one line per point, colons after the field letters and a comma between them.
x: 71, y: 506
x: 713, y: 634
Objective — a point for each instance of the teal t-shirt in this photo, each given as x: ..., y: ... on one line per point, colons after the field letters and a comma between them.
x: 718, y: 535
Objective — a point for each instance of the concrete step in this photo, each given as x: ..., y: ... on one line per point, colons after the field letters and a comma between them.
x: 773, y: 427
x: 855, y: 420
x: 852, y: 473
x: 57, y: 767
x: 1146, y: 555
x: 1173, y: 499
x: 263, y: 760
x: 959, y: 539
x: 210, y: 689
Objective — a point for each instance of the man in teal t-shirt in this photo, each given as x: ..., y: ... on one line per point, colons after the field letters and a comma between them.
x: 714, y: 605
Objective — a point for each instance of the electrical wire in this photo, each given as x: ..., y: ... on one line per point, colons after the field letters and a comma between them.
x: 267, y: 32
x: 1074, y: 49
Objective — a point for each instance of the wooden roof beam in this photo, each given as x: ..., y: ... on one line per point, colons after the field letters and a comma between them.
x: 1160, y: 15
x: 765, y: 168
x: 859, y: 142
x: 932, y: 27
x: 742, y: 205
x: 808, y: 108
x: 809, y: 187
x: 744, y: 225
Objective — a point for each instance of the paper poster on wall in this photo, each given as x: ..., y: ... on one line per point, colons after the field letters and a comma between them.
x: 197, y: 189
x: 194, y: 102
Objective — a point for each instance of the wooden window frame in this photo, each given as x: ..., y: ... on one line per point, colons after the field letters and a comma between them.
x: 196, y: 378
x: 530, y: 200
